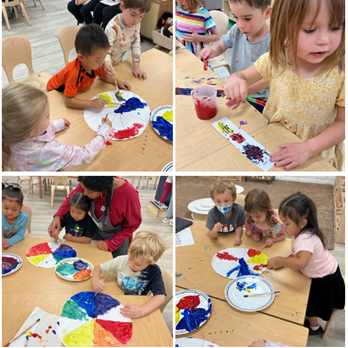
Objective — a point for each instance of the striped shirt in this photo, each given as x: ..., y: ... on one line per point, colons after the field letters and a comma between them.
x: 199, y: 20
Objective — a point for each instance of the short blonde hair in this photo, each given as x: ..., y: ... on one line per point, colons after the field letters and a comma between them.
x: 147, y: 245
x: 221, y: 185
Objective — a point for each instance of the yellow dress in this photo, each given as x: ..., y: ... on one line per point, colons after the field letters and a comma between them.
x: 305, y: 106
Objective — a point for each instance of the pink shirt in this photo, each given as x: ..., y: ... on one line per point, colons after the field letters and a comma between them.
x: 321, y: 263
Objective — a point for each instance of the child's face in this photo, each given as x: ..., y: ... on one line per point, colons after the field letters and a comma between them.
x: 45, y: 122
x: 131, y: 16
x: 223, y: 199
x: 249, y: 20
x: 76, y: 213
x: 258, y: 217
x: 317, y: 40
x: 11, y: 208
x: 136, y: 264
x: 290, y: 226
x: 183, y: 4
x: 94, y: 61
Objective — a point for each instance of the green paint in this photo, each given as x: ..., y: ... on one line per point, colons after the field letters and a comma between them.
x: 66, y: 269
x: 72, y: 310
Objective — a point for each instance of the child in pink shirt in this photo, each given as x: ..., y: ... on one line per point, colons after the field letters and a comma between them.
x: 310, y: 255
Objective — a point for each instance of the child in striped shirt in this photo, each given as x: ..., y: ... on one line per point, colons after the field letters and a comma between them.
x: 195, y: 28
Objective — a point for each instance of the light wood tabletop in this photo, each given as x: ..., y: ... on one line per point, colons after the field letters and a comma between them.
x: 230, y: 328
x: 156, y: 90
x: 200, y: 147
x: 193, y: 264
x: 32, y: 287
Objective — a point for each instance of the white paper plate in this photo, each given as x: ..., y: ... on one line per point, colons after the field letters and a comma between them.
x: 70, y: 261
x: 120, y: 122
x: 14, y: 256
x: 168, y: 167
x: 204, y: 306
x: 223, y: 266
x: 193, y: 342
x: 236, y: 289
x: 159, y: 112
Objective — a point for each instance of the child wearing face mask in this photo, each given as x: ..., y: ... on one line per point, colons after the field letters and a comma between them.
x: 226, y: 216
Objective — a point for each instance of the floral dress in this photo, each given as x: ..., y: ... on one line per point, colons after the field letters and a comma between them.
x: 274, y: 231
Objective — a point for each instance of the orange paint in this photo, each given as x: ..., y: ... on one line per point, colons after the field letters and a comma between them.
x: 83, y: 274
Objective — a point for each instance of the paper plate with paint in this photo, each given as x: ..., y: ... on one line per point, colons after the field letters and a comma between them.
x: 11, y: 263
x: 237, y: 290
x: 47, y: 255
x: 193, y: 342
x: 162, y: 121
x: 236, y: 262
x: 129, y: 120
x: 168, y: 167
x: 74, y: 269
x: 100, y: 322
x: 192, y: 310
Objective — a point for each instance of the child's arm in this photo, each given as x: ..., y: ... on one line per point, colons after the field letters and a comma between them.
x: 238, y: 237
x: 270, y: 241
x: 77, y: 103
x: 136, y: 51
x: 214, y: 232
x: 82, y: 239
x: 122, y: 85
x: 22, y: 228
x: 294, y: 154
x: 133, y: 311
x: 213, y: 51
x: 195, y: 37
x: 98, y: 284
x: 297, y: 262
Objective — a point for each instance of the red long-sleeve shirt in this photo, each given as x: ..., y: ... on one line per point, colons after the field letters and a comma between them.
x: 125, y: 207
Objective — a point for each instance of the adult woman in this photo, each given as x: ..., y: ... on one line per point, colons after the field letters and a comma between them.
x: 81, y: 10
x: 115, y: 210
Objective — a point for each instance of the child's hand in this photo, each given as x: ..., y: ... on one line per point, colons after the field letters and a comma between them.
x: 109, y: 70
x: 269, y: 242
x: 106, y: 121
x: 99, y: 286
x: 194, y: 37
x: 217, y: 227
x: 207, y: 53
x: 274, y: 263
x: 66, y: 123
x: 291, y: 155
x: 237, y: 240
x: 233, y: 103
x: 124, y: 85
x: 140, y: 74
x: 131, y: 311
x: 236, y: 89
x: 102, y: 246
x: 258, y: 343
x: 68, y: 236
x: 256, y: 237
x: 98, y: 103
x: 5, y: 243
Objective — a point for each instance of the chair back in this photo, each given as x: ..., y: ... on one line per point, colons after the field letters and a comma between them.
x: 16, y: 50
x: 60, y: 180
x: 27, y: 210
x: 66, y: 38
x: 168, y: 285
x: 221, y: 21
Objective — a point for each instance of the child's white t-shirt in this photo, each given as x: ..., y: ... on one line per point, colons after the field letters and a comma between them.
x: 321, y: 263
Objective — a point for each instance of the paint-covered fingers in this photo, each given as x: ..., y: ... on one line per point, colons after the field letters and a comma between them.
x: 66, y: 123
x: 98, y: 103
x: 237, y: 240
x: 207, y: 53
x: 4, y: 243
x: 236, y: 89
x: 131, y: 311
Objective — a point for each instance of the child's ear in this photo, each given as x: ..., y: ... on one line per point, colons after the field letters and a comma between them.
x: 122, y: 6
x: 268, y: 12
x: 234, y: 199
x: 303, y: 223
x: 80, y: 56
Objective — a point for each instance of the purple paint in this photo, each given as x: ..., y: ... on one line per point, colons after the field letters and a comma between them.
x: 9, y: 264
x: 130, y: 105
x: 243, y: 122
x: 79, y: 264
x: 62, y: 247
x: 254, y: 153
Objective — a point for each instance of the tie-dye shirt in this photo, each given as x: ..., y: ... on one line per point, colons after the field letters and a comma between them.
x: 200, y: 21
x: 14, y: 233
x: 44, y: 153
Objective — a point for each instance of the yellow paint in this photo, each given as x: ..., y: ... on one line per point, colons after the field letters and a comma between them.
x: 262, y: 258
x: 81, y: 337
x: 168, y: 115
x: 106, y: 97
x: 224, y: 128
x: 35, y: 260
x: 177, y: 315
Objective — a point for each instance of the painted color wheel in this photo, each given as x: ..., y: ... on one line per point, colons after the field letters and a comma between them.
x: 102, y: 324
x: 11, y: 263
x: 235, y: 262
x: 47, y: 255
x: 74, y: 269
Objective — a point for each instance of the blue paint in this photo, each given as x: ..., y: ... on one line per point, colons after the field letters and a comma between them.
x: 64, y: 255
x: 130, y: 105
x: 79, y: 265
x: 62, y: 247
x: 164, y: 127
x: 243, y: 269
x: 54, y: 332
x: 245, y: 286
x: 178, y: 275
x: 189, y: 267
x: 58, y: 323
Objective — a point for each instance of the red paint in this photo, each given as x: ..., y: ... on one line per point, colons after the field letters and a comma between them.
x: 122, y: 331
x: 226, y: 256
x: 36, y: 335
x: 188, y: 302
x: 253, y: 252
x: 259, y: 267
x: 50, y: 327
x: 237, y: 137
x: 39, y: 249
x: 205, y: 64
x: 83, y: 274
x: 108, y: 143
x: 205, y: 112
x: 127, y: 133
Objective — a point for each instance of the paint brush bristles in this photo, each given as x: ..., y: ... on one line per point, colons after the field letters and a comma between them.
x: 104, y: 280
x: 8, y: 343
x: 264, y: 293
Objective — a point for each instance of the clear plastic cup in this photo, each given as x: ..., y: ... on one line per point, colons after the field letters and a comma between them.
x: 204, y: 98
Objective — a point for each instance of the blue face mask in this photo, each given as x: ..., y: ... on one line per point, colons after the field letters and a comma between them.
x: 225, y: 210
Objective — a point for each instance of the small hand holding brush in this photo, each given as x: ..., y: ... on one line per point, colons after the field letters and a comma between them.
x: 95, y: 295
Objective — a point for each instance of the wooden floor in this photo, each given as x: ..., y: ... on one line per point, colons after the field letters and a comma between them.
x: 42, y: 215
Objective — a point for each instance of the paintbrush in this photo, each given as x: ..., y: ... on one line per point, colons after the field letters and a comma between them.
x: 117, y: 94
x: 106, y: 117
x: 264, y: 293
x: 205, y: 64
x: 104, y: 280
x: 7, y: 344
x: 256, y: 101
x: 114, y: 104
x: 260, y: 249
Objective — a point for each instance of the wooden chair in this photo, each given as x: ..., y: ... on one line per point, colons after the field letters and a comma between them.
x: 27, y: 210
x: 24, y: 178
x: 40, y: 4
x: 60, y: 183
x: 221, y: 21
x: 17, y: 50
x: 13, y: 3
x: 168, y: 285
x: 66, y: 38
x: 36, y: 182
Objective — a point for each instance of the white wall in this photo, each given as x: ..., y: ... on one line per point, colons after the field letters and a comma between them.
x: 325, y: 180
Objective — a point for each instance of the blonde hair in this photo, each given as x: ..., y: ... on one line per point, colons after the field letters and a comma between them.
x: 22, y: 109
x: 221, y: 185
x: 193, y: 4
x: 286, y: 21
x: 147, y: 245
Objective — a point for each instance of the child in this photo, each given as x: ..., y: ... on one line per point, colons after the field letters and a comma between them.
x: 28, y: 140
x: 193, y: 26
x: 14, y: 221
x: 92, y: 46
x: 261, y: 220
x: 226, y: 216
x: 305, y: 68
x: 79, y: 226
x: 123, y: 32
x: 310, y: 256
x: 249, y: 39
x: 137, y: 273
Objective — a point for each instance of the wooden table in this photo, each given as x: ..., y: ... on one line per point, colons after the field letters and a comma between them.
x: 200, y: 147
x: 126, y: 155
x: 194, y: 263
x: 32, y: 287
x: 228, y: 327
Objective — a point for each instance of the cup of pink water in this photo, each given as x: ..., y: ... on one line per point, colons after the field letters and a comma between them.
x: 204, y: 98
